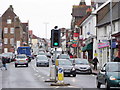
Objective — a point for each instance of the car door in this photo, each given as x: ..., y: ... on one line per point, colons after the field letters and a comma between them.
x: 102, y: 74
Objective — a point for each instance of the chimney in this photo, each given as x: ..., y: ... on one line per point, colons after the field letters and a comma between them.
x: 11, y: 7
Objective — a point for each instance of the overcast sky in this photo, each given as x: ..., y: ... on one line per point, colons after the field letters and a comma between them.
x: 40, y: 12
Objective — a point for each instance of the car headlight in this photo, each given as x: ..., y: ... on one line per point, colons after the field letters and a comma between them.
x: 112, y: 78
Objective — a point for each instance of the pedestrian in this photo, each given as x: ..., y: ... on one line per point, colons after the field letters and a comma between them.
x: 4, y: 62
x: 95, y: 61
x: 117, y: 59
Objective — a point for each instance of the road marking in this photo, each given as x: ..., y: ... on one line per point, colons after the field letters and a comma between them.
x: 57, y: 87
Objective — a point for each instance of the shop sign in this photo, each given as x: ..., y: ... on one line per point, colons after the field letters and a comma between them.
x: 76, y: 34
x: 102, y: 45
x: 74, y: 45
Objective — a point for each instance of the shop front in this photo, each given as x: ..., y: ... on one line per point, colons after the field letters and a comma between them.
x: 117, y: 37
x: 103, y: 53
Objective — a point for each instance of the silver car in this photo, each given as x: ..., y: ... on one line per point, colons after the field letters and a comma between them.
x: 42, y: 60
x: 82, y: 66
x: 21, y: 59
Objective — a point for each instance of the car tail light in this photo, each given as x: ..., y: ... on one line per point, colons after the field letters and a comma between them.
x: 27, y: 59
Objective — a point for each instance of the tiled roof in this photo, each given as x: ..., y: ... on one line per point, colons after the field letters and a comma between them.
x: 79, y: 10
x: 81, y: 20
x: 34, y: 37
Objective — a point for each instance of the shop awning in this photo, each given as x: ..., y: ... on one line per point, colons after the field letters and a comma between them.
x: 87, y: 47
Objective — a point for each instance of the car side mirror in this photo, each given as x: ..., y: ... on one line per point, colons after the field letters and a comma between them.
x: 103, y: 70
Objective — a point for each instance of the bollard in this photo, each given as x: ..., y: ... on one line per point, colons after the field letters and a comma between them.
x: 60, y: 75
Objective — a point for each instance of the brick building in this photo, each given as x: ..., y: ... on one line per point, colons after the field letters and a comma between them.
x: 14, y: 33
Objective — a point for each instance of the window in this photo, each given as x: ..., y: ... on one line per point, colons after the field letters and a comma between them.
x: 12, y: 41
x: 5, y: 30
x: 5, y: 40
x: 114, y: 27
x: 9, y: 21
x: 12, y: 30
x: 105, y: 30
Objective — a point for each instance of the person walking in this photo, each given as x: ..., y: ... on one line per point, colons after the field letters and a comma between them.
x: 95, y: 61
x: 4, y: 62
x: 117, y: 59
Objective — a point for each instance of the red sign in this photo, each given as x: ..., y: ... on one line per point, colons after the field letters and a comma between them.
x: 74, y: 45
x: 76, y: 34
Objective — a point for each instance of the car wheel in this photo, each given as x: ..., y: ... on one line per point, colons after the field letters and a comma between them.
x: 15, y: 65
x: 26, y: 65
x: 107, y: 86
x: 37, y: 65
x: 47, y: 65
x: 90, y: 71
x: 74, y: 75
x: 98, y: 84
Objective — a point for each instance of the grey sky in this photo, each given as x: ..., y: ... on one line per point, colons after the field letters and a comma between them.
x: 39, y: 12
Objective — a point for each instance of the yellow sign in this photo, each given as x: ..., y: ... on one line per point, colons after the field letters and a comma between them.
x: 95, y: 54
x: 60, y: 76
x: 80, y: 50
x: 56, y: 63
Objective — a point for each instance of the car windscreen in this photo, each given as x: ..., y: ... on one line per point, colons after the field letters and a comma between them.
x: 41, y: 58
x: 20, y: 56
x: 64, y: 57
x: 84, y: 62
x: 115, y: 67
x: 65, y: 62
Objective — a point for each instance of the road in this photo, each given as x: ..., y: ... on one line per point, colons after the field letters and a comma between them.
x: 34, y: 77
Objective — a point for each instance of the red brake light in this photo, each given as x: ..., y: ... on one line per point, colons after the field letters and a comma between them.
x: 27, y: 59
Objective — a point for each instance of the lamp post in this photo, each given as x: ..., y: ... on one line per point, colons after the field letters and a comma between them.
x: 46, y: 23
x: 111, y: 30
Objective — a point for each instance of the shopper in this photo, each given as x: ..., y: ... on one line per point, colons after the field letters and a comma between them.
x: 4, y: 62
x: 95, y: 61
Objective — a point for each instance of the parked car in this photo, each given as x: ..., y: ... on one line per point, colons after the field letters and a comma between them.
x: 42, y: 60
x: 67, y: 66
x: 82, y: 66
x: 21, y: 59
x: 109, y: 75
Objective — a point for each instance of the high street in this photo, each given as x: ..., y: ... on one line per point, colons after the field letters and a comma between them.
x: 34, y: 77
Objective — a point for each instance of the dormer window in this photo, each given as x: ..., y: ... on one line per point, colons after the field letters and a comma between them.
x: 9, y: 21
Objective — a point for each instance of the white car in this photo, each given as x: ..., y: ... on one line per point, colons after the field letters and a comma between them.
x: 21, y: 59
x: 82, y: 66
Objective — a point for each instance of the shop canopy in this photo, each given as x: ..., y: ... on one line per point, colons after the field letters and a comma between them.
x: 87, y: 47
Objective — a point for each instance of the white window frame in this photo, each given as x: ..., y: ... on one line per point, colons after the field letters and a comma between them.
x: 12, y: 30
x: 5, y: 30
x: 9, y: 21
x: 5, y: 40
x: 12, y: 41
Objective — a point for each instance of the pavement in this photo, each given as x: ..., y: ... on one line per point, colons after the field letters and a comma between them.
x: 95, y: 72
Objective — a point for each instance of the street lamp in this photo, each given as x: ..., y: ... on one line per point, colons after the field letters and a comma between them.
x: 111, y: 29
x: 46, y: 23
